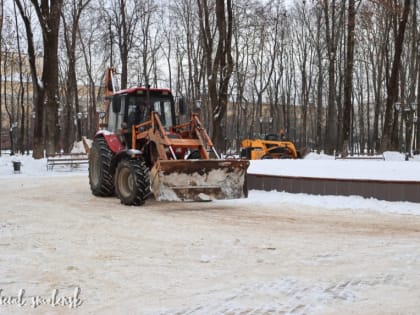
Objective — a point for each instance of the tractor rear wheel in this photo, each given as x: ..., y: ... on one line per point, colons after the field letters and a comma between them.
x: 132, y: 182
x: 100, y: 175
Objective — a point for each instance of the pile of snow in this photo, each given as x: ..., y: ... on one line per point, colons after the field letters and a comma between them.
x: 392, y: 166
x: 333, y: 203
x: 78, y: 147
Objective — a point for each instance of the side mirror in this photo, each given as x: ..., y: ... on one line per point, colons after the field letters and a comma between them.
x: 181, y: 105
x: 116, y: 104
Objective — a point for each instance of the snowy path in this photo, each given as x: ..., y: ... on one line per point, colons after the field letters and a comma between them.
x: 222, y: 257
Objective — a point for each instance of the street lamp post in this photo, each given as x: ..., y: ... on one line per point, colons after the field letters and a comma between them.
x: 413, y: 135
x: 59, y: 138
x: 409, y: 117
x: 102, y: 116
x: 397, y: 108
x: 413, y: 107
x: 406, y: 118
x: 79, y: 116
x: 85, y: 123
x: 33, y: 129
x: 198, y: 105
x: 13, y: 137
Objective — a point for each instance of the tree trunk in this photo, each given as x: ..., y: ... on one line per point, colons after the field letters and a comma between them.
x: 38, y: 89
x: 50, y: 77
x: 320, y: 83
x: 392, y: 88
x: 21, y: 94
x: 330, y: 28
x: 1, y: 77
x: 45, y: 93
x: 418, y: 96
x: 348, y: 80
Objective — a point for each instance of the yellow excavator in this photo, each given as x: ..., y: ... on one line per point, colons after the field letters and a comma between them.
x: 273, y: 146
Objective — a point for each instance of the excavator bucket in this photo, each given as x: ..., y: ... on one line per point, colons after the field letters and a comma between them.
x: 199, y: 180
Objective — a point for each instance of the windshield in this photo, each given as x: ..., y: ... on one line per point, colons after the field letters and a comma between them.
x: 137, y: 110
x: 164, y: 109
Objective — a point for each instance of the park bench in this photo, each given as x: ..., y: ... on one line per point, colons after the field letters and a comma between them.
x: 72, y: 160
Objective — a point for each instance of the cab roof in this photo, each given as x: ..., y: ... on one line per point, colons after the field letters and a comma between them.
x: 142, y: 90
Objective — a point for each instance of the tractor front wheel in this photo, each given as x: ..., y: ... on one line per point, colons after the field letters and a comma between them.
x: 132, y: 182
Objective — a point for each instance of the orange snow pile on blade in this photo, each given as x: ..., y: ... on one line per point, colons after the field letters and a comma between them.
x: 199, y: 180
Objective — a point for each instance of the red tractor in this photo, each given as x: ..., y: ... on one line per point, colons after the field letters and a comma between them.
x: 140, y: 150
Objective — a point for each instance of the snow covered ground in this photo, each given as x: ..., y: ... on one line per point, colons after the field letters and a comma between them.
x: 393, y: 167
x: 272, y: 253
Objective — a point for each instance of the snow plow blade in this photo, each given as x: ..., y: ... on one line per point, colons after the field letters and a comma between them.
x: 199, y: 180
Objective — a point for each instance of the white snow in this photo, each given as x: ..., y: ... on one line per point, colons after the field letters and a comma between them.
x: 222, y: 264
x: 327, y: 202
x: 393, y: 167
x: 35, y: 168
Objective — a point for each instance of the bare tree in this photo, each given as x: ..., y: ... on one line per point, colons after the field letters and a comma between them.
x: 348, y: 80
x: 413, y: 69
x: 10, y: 60
x: 1, y: 76
x: 417, y: 39
x: 45, y: 90
x: 149, y: 43
x: 387, y: 142
x: 93, y: 49
x: 333, y: 19
x: 319, y: 80
x: 374, y: 39
x: 21, y: 93
x: 219, y: 62
x: 264, y: 51
x: 190, y: 65
x: 242, y: 37
x: 305, y: 54
x: 72, y: 105
x: 123, y: 18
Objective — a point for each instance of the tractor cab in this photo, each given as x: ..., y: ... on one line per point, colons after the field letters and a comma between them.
x: 133, y: 106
